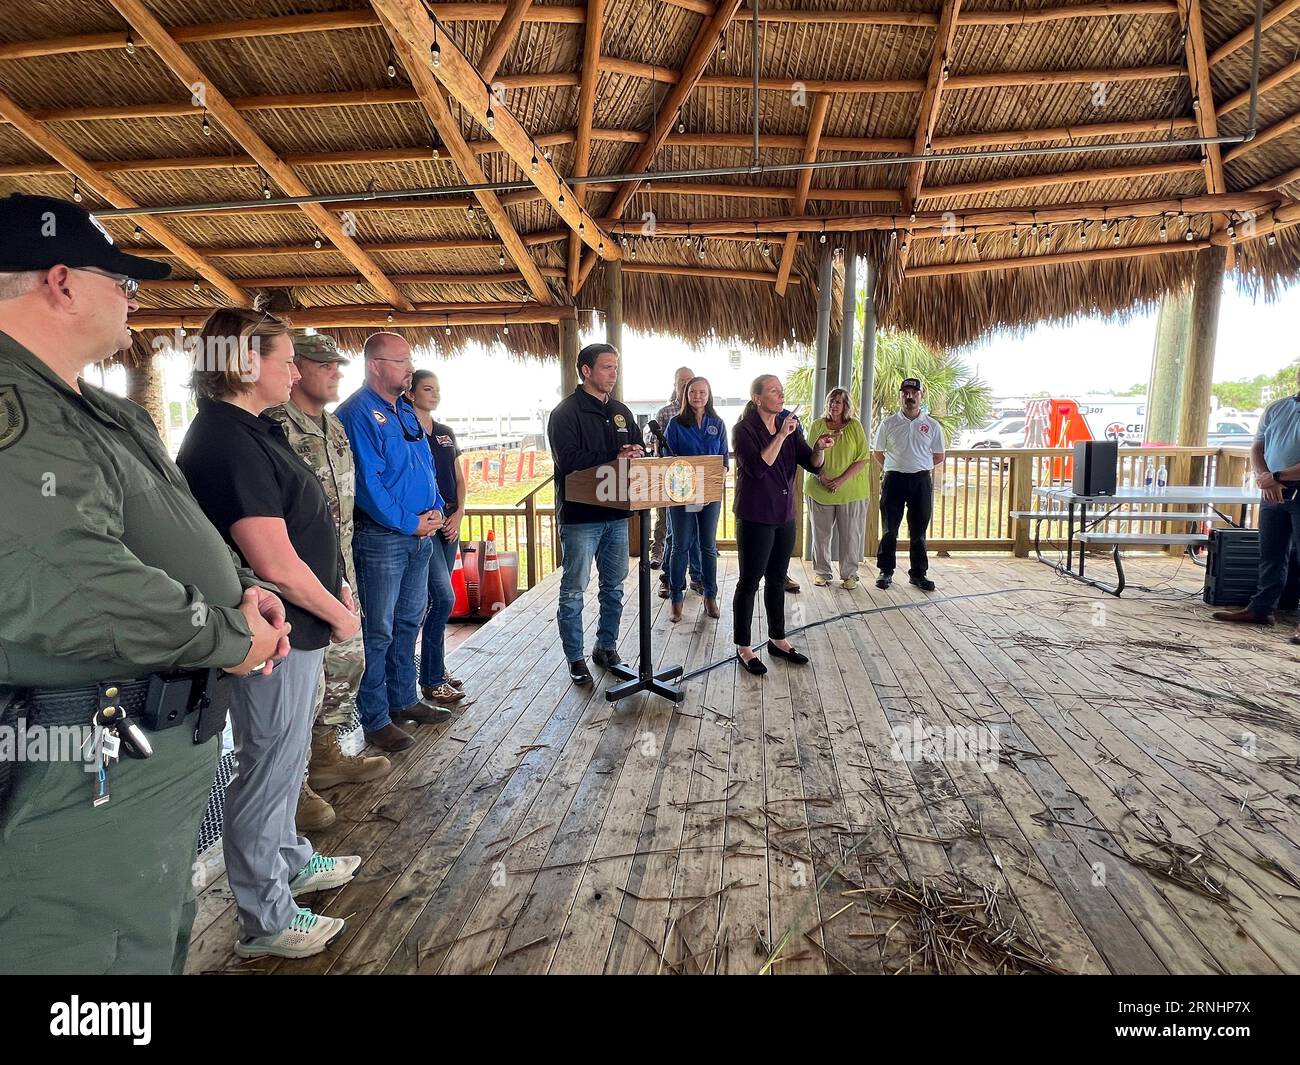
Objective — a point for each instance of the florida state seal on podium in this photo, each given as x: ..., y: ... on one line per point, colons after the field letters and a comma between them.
x: 637, y: 485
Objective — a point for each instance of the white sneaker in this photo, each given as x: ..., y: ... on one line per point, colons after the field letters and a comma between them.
x: 321, y: 873
x: 306, y: 935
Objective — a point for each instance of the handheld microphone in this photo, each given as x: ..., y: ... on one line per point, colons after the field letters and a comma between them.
x: 653, y: 426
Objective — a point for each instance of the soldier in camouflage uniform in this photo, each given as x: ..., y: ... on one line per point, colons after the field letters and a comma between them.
x: 320, y: 440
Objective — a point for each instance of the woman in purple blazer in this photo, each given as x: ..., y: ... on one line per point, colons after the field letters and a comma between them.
x: 769, y: 446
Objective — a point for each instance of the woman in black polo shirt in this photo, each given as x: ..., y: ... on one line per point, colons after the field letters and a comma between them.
x: 436, y: 684
x: 271, y: 508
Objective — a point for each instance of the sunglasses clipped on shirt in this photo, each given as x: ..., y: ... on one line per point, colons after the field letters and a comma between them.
x: 419, y: 429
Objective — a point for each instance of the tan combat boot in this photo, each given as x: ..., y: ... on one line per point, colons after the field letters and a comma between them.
x: 330, y: 766
x: 313, y: 811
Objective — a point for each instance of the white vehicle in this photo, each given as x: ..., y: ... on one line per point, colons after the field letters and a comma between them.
x: 1007, y: 432
x: 1233, y: 431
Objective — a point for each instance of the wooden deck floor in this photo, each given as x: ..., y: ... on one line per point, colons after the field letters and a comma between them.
x: 1137, y: 812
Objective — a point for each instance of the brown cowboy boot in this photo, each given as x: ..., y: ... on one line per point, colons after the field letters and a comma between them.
x: 330, y: 766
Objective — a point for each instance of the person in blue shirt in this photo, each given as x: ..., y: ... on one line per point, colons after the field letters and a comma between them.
x: 398, y: 510
x: 697, y: 430
x: 1275, y: 458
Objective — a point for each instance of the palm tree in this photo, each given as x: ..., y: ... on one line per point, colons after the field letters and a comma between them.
x: 955, y: 398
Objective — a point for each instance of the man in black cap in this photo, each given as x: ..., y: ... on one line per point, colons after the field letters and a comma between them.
x: 909, y: 444
x: 119, y: 600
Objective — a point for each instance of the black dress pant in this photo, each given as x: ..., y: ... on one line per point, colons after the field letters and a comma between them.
x: 915, y: 492
x: 764, y: 552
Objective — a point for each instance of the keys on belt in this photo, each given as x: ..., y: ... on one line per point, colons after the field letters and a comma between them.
x: 111, y: 732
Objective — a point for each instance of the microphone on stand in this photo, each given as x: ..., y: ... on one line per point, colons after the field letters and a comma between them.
x: 653, y: 427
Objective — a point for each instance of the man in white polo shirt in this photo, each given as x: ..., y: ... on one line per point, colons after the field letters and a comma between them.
x: 910, y: 445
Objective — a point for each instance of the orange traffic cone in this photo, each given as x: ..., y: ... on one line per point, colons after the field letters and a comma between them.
x: 460, y: 594
x: 491, y: 597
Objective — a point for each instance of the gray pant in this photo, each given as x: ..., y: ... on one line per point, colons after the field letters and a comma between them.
x: 271, y: 718
x: 849, y: 520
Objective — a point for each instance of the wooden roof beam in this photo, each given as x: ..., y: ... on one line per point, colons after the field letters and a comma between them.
x: 176, y: 59
x: 414, y: 53
x: 412, y: 33
x: 1026, y: 262
x: 325, y: 21
x: 1272, y: 81
x: 107, y: 190
x: 502, y: 38
x: 586, y: 116
x: 1278, y: 129
x: 1240, y: 40
x: 351, y: 316
x: 347, y: 280
x: 816, y: 119
x: 1094, y: 210
x: 928, y: 114
x: 706, y: 40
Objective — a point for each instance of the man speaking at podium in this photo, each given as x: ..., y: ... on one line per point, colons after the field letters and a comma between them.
x: 587, y: 429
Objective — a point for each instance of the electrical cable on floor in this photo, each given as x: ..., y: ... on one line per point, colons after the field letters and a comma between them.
x: 878, y: 610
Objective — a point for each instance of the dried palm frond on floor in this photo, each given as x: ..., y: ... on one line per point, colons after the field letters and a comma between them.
x: 939, y: 925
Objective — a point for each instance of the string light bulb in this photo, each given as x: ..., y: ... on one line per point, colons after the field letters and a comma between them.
x: 1164, y: 231
x: 76, y: 189
x: 1272, y: 240
x: 469, y: 211
x: 317, y: 244
x: 681, y: 123
x: 130, y: 43
x: 561, y: 199
x: 205, y: 125
x: 357, y: 284
x: 392, y: 66
x: 388, y: 317
x: 722, y: 46
x: 266, y: 188
x: 435, y: 53
x: 1015, y: 238
x: 138, y: 233
x: 505, y: 330
x: 974, y: 241
x: 533, y: 162
x: 501, y: 257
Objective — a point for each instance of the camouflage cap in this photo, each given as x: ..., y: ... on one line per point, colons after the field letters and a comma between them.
x: 318, y: 348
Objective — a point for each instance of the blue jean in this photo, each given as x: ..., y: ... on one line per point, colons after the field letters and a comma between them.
x: 393, y: 590
x: 606, y: 542
x: 433, y: 667
x: 1279, y: 534
x: 693, y: 556
x: 695, y: 534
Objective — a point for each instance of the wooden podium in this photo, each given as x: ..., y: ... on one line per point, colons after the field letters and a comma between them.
x: 638, y: 485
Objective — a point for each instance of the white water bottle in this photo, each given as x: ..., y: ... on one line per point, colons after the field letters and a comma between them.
x: 1162, y: 478
x: 1149, y: 480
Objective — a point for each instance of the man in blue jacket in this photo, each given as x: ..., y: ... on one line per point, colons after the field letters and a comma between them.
x: 398, y: 509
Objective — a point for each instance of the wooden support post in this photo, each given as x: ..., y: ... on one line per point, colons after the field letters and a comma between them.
x: 848, y: 320
x: 614, y: 317
x: 824, y: 288
x: 568, y: 356
x: 1165, y: 392
x: 1202, y: 333
x: 1022, y: 495
x: 534, y: 539
x: 866, y: 405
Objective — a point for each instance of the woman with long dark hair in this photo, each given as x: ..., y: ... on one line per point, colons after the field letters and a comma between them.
x: 697, y: 430
x: 436, y: 684
x: 769, y: 447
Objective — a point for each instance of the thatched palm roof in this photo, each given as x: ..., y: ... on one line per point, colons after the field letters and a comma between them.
x: 298, y: 97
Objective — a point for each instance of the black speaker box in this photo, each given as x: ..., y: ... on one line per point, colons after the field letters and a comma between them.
x: 1096, y: 465
x: 1232, y: 567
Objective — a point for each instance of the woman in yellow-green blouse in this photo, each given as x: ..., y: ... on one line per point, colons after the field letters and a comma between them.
x: 837, y: 494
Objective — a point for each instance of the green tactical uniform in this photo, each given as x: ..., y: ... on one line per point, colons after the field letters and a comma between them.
x: 323, y: 445
x: 110, y: 572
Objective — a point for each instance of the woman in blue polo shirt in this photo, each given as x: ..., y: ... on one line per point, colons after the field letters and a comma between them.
x: 696, y: 431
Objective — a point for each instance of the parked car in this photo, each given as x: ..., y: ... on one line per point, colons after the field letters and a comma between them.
x: 1008, y: 432
x: 1230, y: 432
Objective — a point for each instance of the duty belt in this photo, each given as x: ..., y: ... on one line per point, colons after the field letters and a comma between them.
x: 157, y: 702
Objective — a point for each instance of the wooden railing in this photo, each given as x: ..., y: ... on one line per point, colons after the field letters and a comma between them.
x: 527, y: 528
x: 975, y: 493
x: 977, y: 490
